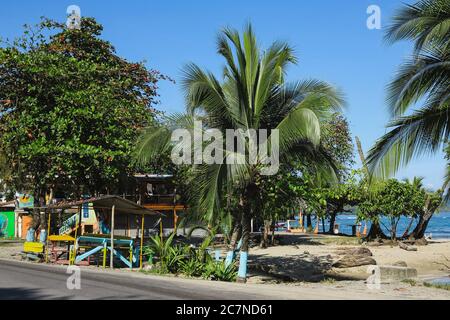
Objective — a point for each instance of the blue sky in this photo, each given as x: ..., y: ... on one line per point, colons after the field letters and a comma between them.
x: 330, y: 37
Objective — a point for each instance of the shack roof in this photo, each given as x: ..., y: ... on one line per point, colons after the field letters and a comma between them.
x: 8, y: 204
x: 122, y: 205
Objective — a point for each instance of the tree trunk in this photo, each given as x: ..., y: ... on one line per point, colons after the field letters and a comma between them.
x: 272, y: 240
x: 393, y: 230
x: 251, y: 192
x: 308, y: 222
x: 375, y: 232
x: 332, y: 222
x: 243, y: 257
x: 419, y: 231
x: 405, y: 234
x: 266, y: 231
x: 235, y: 237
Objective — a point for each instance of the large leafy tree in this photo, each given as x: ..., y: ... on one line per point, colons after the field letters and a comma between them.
x: 252, y: 95
x: 70, y: 109
x: 424, y: 80
x: 393, y: 199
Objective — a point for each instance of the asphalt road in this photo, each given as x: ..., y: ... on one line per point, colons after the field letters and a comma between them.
x: 20, y: 280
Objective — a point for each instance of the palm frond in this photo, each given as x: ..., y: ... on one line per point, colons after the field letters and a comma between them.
x: 423, y: 132
x: 426, y: 22
x: 419, y: 77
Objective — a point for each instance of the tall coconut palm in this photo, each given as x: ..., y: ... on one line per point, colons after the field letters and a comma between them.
x: 252, y: 95
x: 423, y: 79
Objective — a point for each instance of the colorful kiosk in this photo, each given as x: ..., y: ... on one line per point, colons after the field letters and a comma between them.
x: 100, y: 229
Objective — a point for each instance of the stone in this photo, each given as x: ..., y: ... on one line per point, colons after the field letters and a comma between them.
x: 400, y: 264
x: 396, y: 273
x: 349, y: 261
x: 359, y: 251
x: 406, y: 247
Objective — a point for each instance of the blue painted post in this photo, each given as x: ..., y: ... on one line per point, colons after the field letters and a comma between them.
x: 242, y: 272
x: 30, y: 235
x: 229, y: 258
x: 239, y: 245
x: 217, y: 254
x: 43, y: 236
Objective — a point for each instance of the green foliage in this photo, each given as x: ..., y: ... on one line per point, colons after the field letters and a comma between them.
x: 423, y: 78
x: 192, y: 267
x: 252, y: 95
x: 177, y: 258
x: 217, y: 270
x: 394, y: 199
x: 169, y: 255
x: 70, y: 108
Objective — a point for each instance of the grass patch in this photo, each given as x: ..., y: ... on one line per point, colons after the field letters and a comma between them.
x: 336, y: 240
x: 437, y: 286
x: 411, y: 282
x: 328, y: 281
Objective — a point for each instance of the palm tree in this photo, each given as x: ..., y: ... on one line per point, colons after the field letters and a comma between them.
x: 425, y: 79
x: 252, y: 95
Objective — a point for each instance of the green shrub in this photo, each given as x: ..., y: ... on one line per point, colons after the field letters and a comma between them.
x: 185, y: 259
x: 192, y: 267
x: 216, y: 270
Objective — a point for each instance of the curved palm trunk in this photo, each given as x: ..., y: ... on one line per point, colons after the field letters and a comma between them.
x: 235, y: 237
x: 251, y: 192
x: 419, y: 231
x: 243, y: 256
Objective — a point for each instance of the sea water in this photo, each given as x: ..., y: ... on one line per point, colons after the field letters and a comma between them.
x: 438, y: 227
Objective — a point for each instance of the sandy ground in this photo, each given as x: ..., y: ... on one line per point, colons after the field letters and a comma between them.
x: 309, y: 259
x: 314, y: 255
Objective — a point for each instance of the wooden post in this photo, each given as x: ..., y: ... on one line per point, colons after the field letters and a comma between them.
x: 111, y: 257
x: 48, y: 234
x: 104, y: 254
x: 142, y: 242
x: 161, y: 228
x: 175, y: 220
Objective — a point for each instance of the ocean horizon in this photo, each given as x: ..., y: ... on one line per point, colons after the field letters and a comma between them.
x: 438, y: 227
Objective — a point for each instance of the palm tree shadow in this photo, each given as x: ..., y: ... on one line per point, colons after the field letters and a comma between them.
x: 298, y: 268
x: 299, y: 239
x: 24, y: 294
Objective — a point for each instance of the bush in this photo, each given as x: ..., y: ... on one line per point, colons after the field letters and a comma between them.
x: 187, y: 260
x: 216, y: 270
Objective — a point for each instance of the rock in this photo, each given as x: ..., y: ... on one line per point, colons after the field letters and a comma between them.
x: 360, y: 251
x: 349, y: 261
x: 395, y: 273
x: 400, y: 264
x: 406, y: 247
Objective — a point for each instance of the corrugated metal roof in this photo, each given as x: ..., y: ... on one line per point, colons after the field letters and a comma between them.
x: 121, y: 205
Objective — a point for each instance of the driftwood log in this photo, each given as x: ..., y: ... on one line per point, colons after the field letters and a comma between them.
x: 406, y: 247
x: 360, y: 251
x: 349, y: 261
x: 354, y: 258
